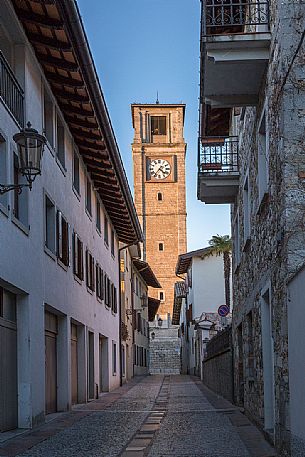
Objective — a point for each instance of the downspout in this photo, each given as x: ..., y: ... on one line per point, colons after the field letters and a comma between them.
x: 120, y: 308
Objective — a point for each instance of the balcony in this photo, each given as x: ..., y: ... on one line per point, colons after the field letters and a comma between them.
x: 235, y: 42
x: 218, y: 172
x: 11, y: 92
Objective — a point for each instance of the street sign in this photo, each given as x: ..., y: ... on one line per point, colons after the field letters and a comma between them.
x: 223, y: 310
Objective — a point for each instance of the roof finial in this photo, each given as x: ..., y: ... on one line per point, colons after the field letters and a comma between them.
x: 157, y: 101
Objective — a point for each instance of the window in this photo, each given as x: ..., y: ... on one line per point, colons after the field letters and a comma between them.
x: 114, y: 305
x: 20, y: 201
x: 113, y: 358
x: 62, y: 227
x: 139, y: 322
x: 112, y: 242
x: 263, y: 160
x: 60, y: 141
x: 107, y: 284
x: 78, y: 261
x: 89, y: 270
x: 48, y: 118
x: 161, y: 295
x: 236, y: 243
x: 160, y: 196
x: 246, y: 206
x: 158, y: 125
x: 76, y: 181
x: 98, y: 215
x: 161, y: 246
x: 50, y: 224
x: 8, y: 305
x: 99, y: 282
x: 88, y: 196
x: 106, y: 234
x: 3, y: 170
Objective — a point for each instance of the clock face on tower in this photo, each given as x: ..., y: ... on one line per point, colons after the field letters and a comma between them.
x: 159, y: 168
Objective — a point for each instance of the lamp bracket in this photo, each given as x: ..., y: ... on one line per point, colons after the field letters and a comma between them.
x: 8, y: 187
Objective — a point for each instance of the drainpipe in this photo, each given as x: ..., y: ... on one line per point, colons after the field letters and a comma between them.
x: 120, y: 308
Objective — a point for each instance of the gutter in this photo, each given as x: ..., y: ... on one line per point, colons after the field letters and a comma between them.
x: 75, y: 27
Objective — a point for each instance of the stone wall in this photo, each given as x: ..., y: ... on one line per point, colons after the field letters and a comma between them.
x: 218, y: 374
x: 277, y: 237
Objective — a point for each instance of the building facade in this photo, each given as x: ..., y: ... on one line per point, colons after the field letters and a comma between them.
x: 251, y: 155
x: 59, y: 271
x: 197, y: 313
x: 158, y: 151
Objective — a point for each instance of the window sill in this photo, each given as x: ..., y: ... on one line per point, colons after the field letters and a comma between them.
x: 88, y: 214
x: 246, y: 244
x: 106, y: 244
x: 107, y: 307
x: 90, y: 291
x: 62, y: 265
x: 113, y: 256
x: 50, y: 147
x: 61, y: 166
x: 98, y: 231
x: 77, y: 279
x: 77, y: 194
x: 21, y: 226
x: 99, y: 300
x: 4, y: 209
x: 263, y: 203
x: 50, y: 253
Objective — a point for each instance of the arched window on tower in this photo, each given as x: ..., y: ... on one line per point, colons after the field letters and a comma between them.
x: 160, y: 196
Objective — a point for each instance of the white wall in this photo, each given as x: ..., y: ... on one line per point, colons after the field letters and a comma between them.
x: 207, y: 292
x: 36, y: 276
x: 296, y: 357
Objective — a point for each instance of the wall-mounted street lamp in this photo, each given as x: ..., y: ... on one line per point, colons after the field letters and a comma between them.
x: 30, y: 146
x: 160, y: 321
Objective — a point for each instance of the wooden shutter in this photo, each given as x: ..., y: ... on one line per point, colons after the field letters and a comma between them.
x: 59, y: 234
x: 75, y: 255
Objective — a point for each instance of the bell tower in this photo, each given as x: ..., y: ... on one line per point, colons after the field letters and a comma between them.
x: 158, y: 152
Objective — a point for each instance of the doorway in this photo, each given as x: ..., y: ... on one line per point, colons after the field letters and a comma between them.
x: 268, y: 359
x: 51, y: 331
x: 90, y: 365
x: 74, y: 364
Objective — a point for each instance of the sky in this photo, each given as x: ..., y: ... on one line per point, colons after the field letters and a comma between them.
x: 141, y: 47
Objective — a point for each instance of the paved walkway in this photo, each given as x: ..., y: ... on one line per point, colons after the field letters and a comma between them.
x: 155, y: 416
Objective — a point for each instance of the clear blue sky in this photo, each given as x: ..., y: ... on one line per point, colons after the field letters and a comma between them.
x: 139, y: 47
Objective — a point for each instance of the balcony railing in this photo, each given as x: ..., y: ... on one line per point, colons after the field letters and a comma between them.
x: 11, y: 92
x: 233, y: 16
x: 218, y: 156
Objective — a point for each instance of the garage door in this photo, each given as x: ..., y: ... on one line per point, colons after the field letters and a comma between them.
x: 8, y: 361
x: 51, y: 362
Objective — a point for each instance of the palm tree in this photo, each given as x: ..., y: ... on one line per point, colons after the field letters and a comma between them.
x: 222, y: 245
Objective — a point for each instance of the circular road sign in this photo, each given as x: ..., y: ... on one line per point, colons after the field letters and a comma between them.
x: 223, y: 310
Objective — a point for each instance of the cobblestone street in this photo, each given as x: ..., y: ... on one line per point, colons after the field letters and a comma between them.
x: 155, y: 416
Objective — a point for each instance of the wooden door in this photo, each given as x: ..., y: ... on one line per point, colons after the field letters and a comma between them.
x: 51, y: 362
x: 101, y: 363
x: 8, y: 376
x: 74, y: 364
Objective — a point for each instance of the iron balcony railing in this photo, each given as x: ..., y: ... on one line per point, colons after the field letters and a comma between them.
x: 11, y: 92
x: 233, y: 16
x: 218, y: 155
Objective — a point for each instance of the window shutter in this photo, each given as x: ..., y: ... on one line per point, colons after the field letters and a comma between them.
x: 87, y: 267
x: 102, y: 286
x: 75, y: 254
x: 81, y: 259
x: 68, y: 245
x: 59, y: 234
x: 97, y: 280
x: 134, y: 319
x: 92, y: 273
